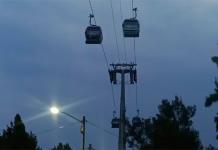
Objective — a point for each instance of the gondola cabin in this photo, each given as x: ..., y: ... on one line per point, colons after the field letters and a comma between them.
x: 136, y: 121
x: 115, y: 123
x: 93, y: 35
x: 131, y: 27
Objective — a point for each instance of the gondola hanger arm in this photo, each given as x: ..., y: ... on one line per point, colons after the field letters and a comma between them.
x: 135, y: 10
x: 90, y: 19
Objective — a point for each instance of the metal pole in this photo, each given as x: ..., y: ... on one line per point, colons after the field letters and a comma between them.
x: 122, y: 138
x: 83, y: 126
x: 84, y: 130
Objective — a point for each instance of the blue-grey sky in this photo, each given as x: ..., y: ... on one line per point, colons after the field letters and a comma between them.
x: 44, y: 61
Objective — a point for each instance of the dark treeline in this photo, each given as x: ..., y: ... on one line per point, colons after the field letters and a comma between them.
x: 172, y: 128
x: 15, y: 137
x: 213, y: 98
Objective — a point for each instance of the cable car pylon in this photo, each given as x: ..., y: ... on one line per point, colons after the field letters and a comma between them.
x: 122, y: 69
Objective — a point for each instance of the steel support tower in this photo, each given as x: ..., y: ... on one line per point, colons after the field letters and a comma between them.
x: 122, y: 69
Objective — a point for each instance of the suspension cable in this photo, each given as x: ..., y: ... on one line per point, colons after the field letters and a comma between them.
x: 115, y: 31
x: 116, y: 39
x: 121, y: 11
x: 107, y: 64
x: 112, y: 89
x: 132, y: 4
x: 92, y: 10
x: 124, y: 41
x: 105, y: 56
x: 132, y: 8
x: 104, y: 53
x: 136, y: 95
x: 134, y: 50
x: 136, y: 85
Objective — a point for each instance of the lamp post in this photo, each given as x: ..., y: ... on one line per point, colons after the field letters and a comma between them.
x: 55, y: 110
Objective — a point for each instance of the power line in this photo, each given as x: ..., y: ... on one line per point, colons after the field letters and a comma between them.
x: 105, y: 130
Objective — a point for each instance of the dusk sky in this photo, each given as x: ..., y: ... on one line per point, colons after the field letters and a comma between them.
x: 44, y: 61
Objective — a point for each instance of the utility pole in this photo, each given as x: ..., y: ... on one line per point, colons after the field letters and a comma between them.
x: 82, y: 128
x: 122, y: 69
x: 83, y: 131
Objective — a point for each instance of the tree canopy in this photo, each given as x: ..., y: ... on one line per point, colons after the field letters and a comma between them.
x: 171, y: 128
x: 61, y: 146
x: 15, y: 137
x: 213, y: 98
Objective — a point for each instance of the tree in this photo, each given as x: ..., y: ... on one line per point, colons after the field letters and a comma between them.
x: 15, y: 137
x: 211, y: 147
x: 171, y: 128
x: 62, y: 147
x: 213, y: 98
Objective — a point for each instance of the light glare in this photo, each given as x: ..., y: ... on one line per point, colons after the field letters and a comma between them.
x: 54, y: 110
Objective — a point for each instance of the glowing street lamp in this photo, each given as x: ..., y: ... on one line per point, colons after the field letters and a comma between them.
x: 54, y: 110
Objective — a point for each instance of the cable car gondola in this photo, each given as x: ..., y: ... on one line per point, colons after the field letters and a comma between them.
x: 115, y: 122
x: 131, y: 26
x: 136, y: 121
x: 93, y: 33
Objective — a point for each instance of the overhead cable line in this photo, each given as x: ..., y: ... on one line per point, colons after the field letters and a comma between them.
x: 112, y: 89
x: 134, y: 51
x: 105, y: 56
x: 105, y: 130
x: 115, y: 31
x: 102, y: 46
x: 116, y: 39
x: 132, y: 9
x: 124, y: 41
x: 107, y: 63
x: 136, y: 85
x: 104, y: 53
x: 92, y: 10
